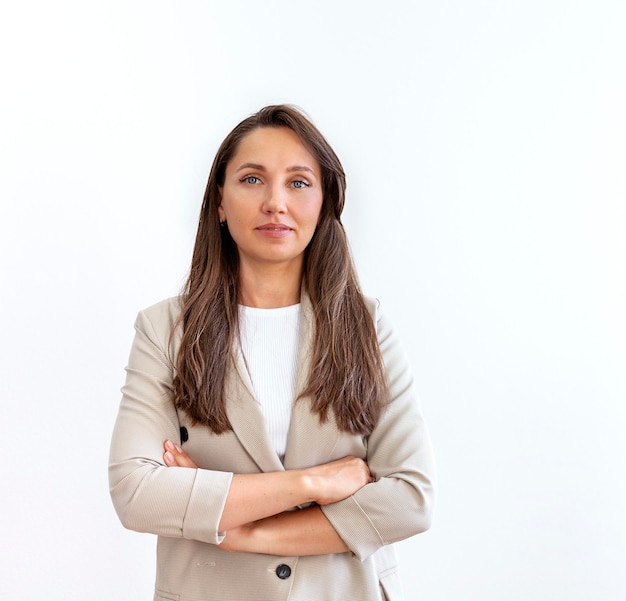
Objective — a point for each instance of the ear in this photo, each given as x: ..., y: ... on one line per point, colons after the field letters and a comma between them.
x: 220, y: 210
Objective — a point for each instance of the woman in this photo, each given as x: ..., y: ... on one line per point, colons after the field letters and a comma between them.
x: 269, y: 431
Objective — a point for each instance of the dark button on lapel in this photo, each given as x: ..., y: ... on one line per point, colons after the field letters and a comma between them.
x: 184, y: 435
x: 283, y: 571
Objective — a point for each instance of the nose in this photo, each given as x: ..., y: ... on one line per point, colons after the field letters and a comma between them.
x: 276, y: 201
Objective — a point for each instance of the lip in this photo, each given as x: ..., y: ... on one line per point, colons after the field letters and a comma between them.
x: 274, y: 230
x: 273, y: 226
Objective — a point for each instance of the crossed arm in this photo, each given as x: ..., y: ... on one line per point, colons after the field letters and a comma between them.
x: 254, y: 509
x: 256, y: 517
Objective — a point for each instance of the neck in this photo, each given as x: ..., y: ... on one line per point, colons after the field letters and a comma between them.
x: 271, y: 287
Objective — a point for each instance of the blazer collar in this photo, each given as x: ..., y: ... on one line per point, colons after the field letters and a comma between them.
x: 309, y: 442
x: 246, y: 417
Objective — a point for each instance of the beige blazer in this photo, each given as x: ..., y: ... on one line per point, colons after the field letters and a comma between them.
x: 183, y: 506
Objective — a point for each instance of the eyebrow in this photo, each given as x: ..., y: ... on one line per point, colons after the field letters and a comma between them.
x: 262, y: 168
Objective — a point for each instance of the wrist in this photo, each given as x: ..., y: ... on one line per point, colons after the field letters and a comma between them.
x: 309, y: 485
x: 239, y: 538
x: 255, y: 537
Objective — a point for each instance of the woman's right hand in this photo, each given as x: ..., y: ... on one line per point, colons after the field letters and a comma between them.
x: 174, y: 456
x: 337, y: 480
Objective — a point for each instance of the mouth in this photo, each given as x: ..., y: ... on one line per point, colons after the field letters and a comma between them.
x: 273, y: 231
x: 274, y: 228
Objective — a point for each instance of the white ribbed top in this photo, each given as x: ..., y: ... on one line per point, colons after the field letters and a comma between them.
x: 269, y: 342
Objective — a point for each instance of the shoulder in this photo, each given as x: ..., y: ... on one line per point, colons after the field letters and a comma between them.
x: 159, y: 319
x: 166, y: 310
x: 373, y: 307
x: 376, y: 312
x: 388, y: 340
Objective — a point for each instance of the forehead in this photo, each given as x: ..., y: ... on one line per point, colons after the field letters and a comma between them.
x: 273, y: 147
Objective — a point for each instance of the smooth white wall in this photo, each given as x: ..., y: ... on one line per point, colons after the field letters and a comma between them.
x: 484, y: 147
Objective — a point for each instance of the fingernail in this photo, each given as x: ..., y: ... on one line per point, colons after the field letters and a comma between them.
x: 169, y: 445
x: 169, y: 458
x: 178, y: 449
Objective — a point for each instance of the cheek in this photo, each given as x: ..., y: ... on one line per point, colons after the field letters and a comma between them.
x: 313, y: 210
x: 318, y: 213
x: 310, y: 217
x: 229, y: 208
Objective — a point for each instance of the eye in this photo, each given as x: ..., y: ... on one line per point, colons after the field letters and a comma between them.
x: 250, y: 179
x: 300, y: 183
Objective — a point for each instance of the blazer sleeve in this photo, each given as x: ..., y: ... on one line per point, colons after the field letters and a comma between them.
x: 147, y: 495
x: 399, y: 503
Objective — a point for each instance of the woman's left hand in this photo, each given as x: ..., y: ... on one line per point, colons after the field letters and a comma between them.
x: 174, y: 456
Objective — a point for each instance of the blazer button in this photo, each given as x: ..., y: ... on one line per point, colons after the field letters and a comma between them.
x: 283, y: 571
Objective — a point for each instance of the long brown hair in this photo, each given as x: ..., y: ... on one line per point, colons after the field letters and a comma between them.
x: 347, y: 377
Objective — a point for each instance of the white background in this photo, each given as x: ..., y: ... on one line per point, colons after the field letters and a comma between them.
x: 485, y: 149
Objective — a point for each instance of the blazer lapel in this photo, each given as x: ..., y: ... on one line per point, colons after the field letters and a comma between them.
x: 247, y: 419
x: 309, y: 442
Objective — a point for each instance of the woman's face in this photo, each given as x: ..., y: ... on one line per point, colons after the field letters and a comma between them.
x: 271, y: 198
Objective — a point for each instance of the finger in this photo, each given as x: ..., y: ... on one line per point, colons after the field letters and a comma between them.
x: 175, y: 456
x: 168, y: 457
